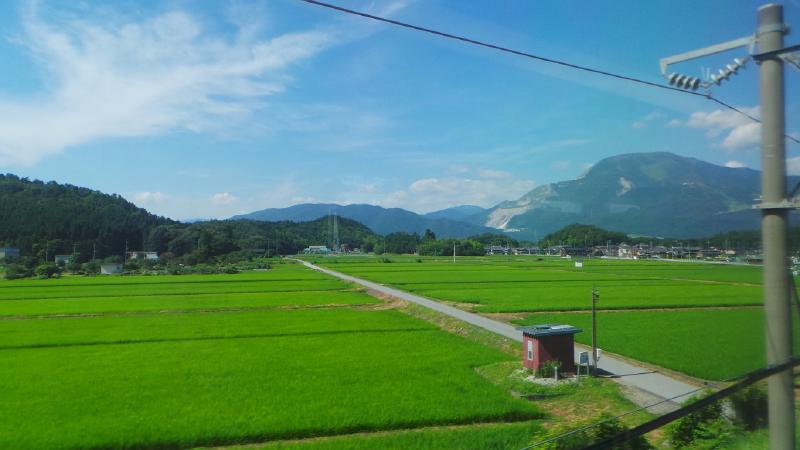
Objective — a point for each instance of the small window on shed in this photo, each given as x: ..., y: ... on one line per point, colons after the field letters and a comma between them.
x: 530, y: 350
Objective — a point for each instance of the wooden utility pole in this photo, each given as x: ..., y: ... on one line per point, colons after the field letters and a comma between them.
x: 595, y: 298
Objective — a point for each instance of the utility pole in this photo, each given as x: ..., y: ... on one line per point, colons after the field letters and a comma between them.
x: 777, y: 308
x: 454, y: 252
x: 595, y: 298
x: 775, y: 203
x: 94, y: 250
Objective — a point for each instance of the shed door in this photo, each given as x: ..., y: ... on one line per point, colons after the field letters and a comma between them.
x: 530, y: 350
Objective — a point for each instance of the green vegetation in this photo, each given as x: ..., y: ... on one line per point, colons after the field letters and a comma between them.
x: 711, y: 344
x: 152, y: 362
x: 701, y: 319
x: 582, y: 236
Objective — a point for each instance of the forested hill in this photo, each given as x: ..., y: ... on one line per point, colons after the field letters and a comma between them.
x: 204, y: 241
x: 35, y: 214
x: 51, y: 218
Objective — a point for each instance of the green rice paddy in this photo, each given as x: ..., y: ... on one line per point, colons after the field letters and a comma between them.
x: 701, y: 319
x: 179, y: 362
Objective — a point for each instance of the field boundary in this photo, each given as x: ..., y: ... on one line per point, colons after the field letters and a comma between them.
x: 624, y: 372
x: 376, y: 433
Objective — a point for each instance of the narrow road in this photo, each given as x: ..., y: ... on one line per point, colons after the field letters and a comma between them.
x: 659, y: 386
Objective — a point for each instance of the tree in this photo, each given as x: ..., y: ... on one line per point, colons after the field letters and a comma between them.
x: 429, y: 235
x: 48, y: 270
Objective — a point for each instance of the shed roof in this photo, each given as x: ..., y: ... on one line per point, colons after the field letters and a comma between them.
x: 549, y: 330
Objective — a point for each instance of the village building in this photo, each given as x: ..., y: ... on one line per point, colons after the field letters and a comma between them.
x: 110, y: 268
x: 148, y: 256
x: 62, y: 259
x: 9, y: 252
x: 317, y: 250
x: 543, y: 343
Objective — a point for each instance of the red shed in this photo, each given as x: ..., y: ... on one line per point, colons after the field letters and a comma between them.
x: 542, y: 343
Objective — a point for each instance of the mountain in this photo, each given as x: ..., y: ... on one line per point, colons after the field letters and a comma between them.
x: 456, y: 212
x: 653, y: 194
x: 61, y: 218
x: 45, y: 219
x: 379, y: 219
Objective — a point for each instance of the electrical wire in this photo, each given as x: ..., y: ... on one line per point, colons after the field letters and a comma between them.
x: 531, y: 56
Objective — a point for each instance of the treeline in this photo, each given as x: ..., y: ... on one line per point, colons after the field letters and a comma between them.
x: 429, y: 245
x: 44, y: 219
x: 579, y: 235
x: 242, y: 239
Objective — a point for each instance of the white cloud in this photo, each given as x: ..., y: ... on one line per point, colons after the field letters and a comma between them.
x: 674, y: 123
x: 655, y: 115
x: 733, y: 164
x: 147, y: 198
x: 430, y: 194
x: 740, y: 132
x: 746, y: 135
x: 112, y: 79
x: 560, y: 165
x: 223, y: 198
x: 793, y: 165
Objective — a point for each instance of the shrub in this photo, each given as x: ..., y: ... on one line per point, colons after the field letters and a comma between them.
x: 17, y: 271
x: 706, y: 424
x: 750, y: 408
x: 548, y: 369
x: 91, y: 268
x: 48, y: 270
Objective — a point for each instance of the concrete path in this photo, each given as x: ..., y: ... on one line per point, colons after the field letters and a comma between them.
x: 654, y: 385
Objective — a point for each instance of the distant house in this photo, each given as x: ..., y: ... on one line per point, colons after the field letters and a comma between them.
x: 9, y: 252
x: 149, y: 256
x: 62, y: 259
x: 497, y: 250
x: 110, y: 268
x: 317, y: 250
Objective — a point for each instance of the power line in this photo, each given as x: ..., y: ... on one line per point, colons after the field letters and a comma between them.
x: 533, y: 56
x: 660, y: 421
x: 592, y: 425
x: 498, y: 47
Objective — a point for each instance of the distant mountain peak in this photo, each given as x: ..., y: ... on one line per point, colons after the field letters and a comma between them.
x: 656, y: 193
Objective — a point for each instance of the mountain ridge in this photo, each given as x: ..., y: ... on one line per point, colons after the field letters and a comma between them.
x: 656, y: 194
x: 379, y: 219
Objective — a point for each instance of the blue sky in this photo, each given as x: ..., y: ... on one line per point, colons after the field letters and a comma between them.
x: 208, y: 109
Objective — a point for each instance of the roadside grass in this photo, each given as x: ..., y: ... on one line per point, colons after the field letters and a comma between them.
x: 489, y: 437
x: 178, y: 302
x: 709, y: 344
x: 199, y: 386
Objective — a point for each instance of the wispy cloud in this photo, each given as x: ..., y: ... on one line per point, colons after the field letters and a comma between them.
x: 146, y: 199
x: 488, y: 188
x: 733, y: 164
x: 223, y: 198
x: 111, y: 78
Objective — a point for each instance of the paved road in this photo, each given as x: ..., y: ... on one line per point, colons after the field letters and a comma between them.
x: 660, y: 386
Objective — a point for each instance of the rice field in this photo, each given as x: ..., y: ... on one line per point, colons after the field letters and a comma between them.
x: 704, y: 320
x: 148, y: 362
